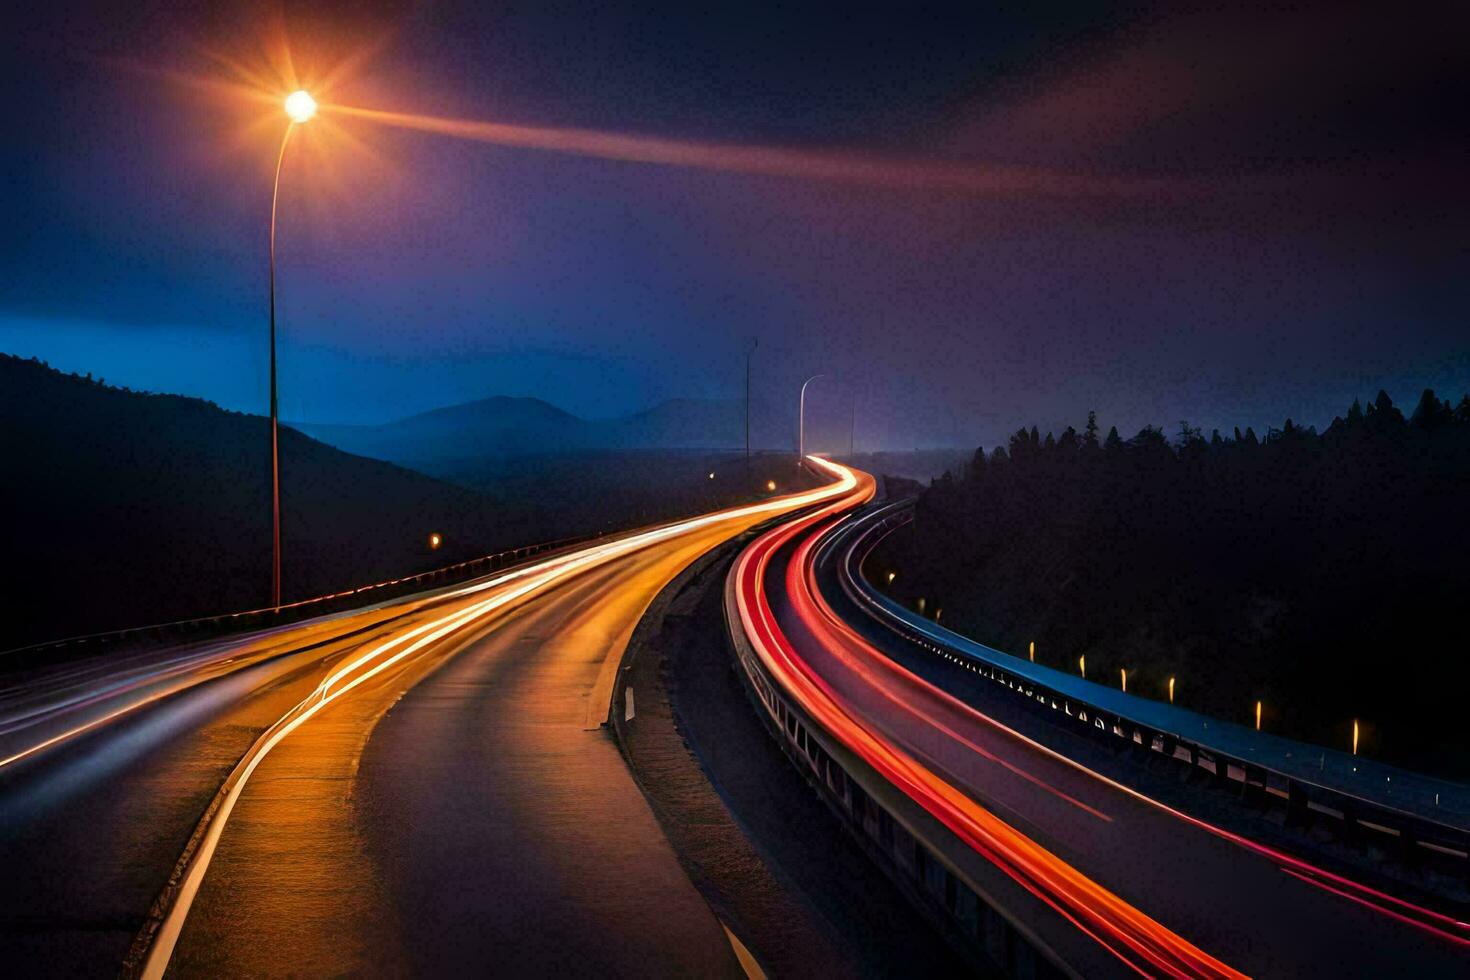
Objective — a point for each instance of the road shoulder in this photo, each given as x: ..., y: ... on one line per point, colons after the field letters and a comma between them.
x: 762, y: 849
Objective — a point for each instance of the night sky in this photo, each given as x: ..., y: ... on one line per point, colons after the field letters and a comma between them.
x: 1175, y: 214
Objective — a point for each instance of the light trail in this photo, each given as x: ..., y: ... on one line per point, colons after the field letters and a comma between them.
x: 778, y: 161
x: 186, y: 671
x: 809, y: 604
x: 516, y: 584
x: 1444, y: 926
x: 1360, y: 900
x: 1139, y: 941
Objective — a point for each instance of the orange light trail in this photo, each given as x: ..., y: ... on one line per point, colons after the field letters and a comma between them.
x: 771, y: 160
x: 490, y: 596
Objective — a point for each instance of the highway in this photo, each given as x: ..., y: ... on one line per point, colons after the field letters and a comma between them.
x: 1162, y: 893
x: 424, y: 786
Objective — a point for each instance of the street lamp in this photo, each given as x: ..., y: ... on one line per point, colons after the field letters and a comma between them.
x: 300, y: 107
x: 801, y: 420
x: 754, y: 343
x: 851, y: 426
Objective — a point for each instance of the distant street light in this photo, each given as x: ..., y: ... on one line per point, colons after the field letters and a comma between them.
x: 801, y: 420
x: 1124, y: 672
x: 851, y: 427
x: 754, y: 343
x: 1355, y: 736
x: 1033, y: 651
x: 435, y: 540
x: 771, y: 485
x: 891, y: 577
x: 300, y: 107
x: 1258, y: 716
x: 1082, y: 665
x: 1171, y: 690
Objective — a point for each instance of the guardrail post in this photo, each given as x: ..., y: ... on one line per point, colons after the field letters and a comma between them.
x: 1253, y: 786
x: 1168, y: 743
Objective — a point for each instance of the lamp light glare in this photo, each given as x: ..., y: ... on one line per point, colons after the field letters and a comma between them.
x: 300, y: 106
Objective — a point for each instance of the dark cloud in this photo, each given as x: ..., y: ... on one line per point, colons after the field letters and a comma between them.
x: 1299, y: 239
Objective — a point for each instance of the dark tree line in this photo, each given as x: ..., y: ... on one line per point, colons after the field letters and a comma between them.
x: 1325, y: 573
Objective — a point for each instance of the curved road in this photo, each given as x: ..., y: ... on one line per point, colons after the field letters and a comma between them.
x: 424, y: 786
x: 1165, y: 893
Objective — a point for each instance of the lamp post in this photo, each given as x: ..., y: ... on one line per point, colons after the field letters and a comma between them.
x: 851, y: 427
x: 300, y: 107
x: 801, y: 420
x: 754, y: 343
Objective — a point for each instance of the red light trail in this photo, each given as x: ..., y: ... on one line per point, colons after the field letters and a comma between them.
x: 1136, y: 939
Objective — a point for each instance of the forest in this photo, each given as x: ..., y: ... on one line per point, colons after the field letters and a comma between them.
x: 1325, y: 574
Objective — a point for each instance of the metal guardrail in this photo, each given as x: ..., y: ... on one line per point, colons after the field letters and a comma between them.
x: 1416, y: 837
x: 936, y: 872
x: 225, y: 623
x: 291, y: 612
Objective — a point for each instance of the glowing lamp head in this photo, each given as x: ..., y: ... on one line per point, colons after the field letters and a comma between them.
x: 300, y: 106
x: 435, y: 540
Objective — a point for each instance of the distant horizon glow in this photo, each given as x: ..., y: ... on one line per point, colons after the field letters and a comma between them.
x: 181, y: 360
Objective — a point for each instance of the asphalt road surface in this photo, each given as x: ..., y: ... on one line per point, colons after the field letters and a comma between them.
x: 1131, y: 872
x: 423, y: 787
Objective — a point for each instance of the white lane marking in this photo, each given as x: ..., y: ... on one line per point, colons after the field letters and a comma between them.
x: 744, y: 956
x: 541, y: 574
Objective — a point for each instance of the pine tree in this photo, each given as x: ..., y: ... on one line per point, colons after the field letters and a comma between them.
x: 1020, y: 444
x: 1430, y: 413
x: 1384, y: 412
x: 976, y: 472
x: 1089, y: 436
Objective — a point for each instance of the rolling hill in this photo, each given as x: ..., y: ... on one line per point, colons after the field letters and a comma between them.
x: 129, y: 508
x: 502, y: 426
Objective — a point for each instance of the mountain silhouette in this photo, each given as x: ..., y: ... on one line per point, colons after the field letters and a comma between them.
x: 132, y: 508
x: 503, y: 426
